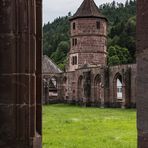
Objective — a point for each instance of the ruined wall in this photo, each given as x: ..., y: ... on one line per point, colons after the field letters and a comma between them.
x: 128, y: 74
x: 46, y: 98
x: 101, y: 87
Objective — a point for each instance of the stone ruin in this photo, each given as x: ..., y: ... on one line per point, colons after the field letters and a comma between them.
x: 21, y: 81
x: 88, y: 80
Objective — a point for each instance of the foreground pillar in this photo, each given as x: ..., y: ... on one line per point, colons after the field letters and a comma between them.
x: 142, y: 78
x: 20, y: 74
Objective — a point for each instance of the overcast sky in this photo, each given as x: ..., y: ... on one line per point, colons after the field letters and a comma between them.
x: 55, y: 8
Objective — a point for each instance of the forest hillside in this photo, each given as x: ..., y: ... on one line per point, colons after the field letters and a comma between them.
x: 121, y: 34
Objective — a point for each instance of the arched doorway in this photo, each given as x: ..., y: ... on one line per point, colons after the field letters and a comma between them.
x: 98, y: 91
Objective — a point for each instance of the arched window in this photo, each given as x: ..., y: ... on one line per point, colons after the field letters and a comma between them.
x: 118, y: 90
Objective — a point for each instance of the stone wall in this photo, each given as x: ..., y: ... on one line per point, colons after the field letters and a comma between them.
x: 95, y: 86
x: 128, y: 74
x: 20, y: 73
x: 142, y: 74
x: 88, y: 42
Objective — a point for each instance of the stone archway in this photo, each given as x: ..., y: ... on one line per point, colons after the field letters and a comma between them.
x: 118, y: 90
x: 97, y: 90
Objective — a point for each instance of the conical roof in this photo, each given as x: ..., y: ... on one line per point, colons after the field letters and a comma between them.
x: 88, y: 9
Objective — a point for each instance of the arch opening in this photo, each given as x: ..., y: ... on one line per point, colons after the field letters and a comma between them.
x: 98, y: 91
x: 118, y: 90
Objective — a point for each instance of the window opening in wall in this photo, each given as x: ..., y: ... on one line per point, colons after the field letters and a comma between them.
x: 74, y: 60
x: 74, y: 26
x: 119, y: 89
x: 98, y: 25
x: 74, y: 41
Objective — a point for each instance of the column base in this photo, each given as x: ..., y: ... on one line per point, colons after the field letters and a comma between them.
x: 142, y: 140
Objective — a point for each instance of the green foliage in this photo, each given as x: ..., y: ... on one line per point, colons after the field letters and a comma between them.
x: 56, y: 40
x: 121, y: 32
x: 122, y: 25
x: 118, y: 55
x: 66, y: 126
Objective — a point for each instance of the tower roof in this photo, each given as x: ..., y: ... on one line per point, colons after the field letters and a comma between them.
x: 88, y: 9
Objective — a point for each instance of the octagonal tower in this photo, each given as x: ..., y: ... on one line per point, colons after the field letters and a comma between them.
x: 88, y: 37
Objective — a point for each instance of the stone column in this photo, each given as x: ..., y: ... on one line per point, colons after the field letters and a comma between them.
x: 142, y: 74
x: 123, y: 93
x: 39, y: 85
x: 19, y: 123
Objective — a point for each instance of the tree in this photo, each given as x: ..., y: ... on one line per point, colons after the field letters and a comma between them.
x: 121, y: 32
x: 118, y: 55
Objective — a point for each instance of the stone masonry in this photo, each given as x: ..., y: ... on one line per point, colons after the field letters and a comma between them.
x: 89, y: 80
x: 142, y: 74
x: 20, y: 73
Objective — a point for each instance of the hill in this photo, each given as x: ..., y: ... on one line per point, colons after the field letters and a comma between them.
x: 121, y: 34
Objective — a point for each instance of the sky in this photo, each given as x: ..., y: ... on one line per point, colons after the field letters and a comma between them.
x: 55, y: 8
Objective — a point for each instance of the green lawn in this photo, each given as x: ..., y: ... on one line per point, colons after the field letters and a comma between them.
x: 66, y: 126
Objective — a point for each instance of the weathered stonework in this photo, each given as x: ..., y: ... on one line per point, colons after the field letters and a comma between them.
x: 91, y: 42
x: 88, y: 80
x: 142, y: 73
x: 20, y: 73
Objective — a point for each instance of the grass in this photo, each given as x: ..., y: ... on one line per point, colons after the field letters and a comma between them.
x: 66, y: 126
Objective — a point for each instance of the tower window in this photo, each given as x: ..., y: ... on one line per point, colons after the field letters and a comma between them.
x: 74, y: 41
x: 74, y: 26
x: 74, y: 60
x: 98, y: 25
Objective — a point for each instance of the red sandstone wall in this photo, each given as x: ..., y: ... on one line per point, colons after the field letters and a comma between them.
x: 91, y: 42
x: 129, y: 81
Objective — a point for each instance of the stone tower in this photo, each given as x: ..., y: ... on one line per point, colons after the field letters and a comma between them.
x: 88, y: 37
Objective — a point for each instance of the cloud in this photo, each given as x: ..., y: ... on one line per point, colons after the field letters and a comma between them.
x: 55, y: 8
